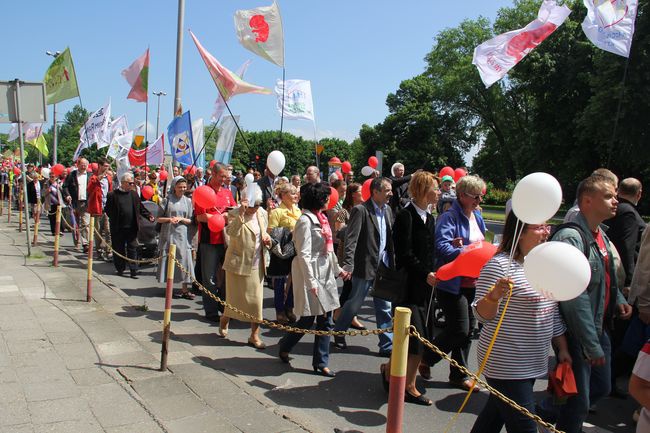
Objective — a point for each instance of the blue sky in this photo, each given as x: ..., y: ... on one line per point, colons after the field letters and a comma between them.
x: 354, y: 53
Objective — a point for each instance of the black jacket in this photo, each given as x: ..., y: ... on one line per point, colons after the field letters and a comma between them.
x: 414, y: 250
x: 266, y: 185
x: 625, y: 231
x: 362, y: 241
x: 71, y: 187
x: 113, y: 210
x: 400, y: 196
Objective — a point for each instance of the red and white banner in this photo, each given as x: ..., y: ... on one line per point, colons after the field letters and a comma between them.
x: 152, y: 154
x: 609, y: 24
x: 260, y: 31
x: 494, y: 58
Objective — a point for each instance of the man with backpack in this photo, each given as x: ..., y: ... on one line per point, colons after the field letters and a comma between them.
x: 588, y: 316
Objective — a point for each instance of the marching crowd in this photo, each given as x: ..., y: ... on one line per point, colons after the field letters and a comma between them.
x: 321, y: 245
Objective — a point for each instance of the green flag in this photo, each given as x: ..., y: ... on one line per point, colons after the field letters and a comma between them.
x: 60, y: 79
x: 40, y: 144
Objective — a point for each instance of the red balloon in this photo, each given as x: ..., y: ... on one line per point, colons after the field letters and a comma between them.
x: 147, y: 192
x: 58, y: 169
x: 469, y: 262
x: 216, y: 223
x: 212, y: 163
x: 446, y: 171
x: 484, y: 190
x: 373, y: 162
x: 458, y: 173
x: 95, y: 167
x: 334, y: 198
x: 205, y: 197
x: 191, y: 169
x: 339, y: 174
x: 163, y: 175
x: 17, y: 171
x: 365, y: 189
x: 346, y: 167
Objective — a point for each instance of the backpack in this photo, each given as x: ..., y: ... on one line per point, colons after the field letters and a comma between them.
x: 577, y: 227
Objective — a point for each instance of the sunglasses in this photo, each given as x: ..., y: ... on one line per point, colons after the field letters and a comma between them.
x: 474, y: 197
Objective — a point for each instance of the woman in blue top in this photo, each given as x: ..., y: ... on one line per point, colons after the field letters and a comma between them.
x: 460, y: 226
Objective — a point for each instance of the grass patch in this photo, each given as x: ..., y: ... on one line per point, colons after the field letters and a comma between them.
x: 37, y: 255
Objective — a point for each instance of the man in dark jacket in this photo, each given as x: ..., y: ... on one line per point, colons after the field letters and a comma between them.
x: 75, y: 194
x: 266, y: 185
x: 626, y: 228
x: 123, y: 207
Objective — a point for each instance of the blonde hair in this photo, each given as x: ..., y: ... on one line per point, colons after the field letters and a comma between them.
x: 470, y: 185
x: 420, y: 184
x: 284, y: 188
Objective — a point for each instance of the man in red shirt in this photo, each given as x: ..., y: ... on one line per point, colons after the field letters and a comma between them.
x: 212, y: 245
x: 99, y: 186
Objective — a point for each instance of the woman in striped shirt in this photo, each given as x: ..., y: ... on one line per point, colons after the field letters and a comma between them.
x: 531, y: 323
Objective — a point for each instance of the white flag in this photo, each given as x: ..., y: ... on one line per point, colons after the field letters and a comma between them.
x: 120, y: 142
x: 13, y: 132
x: 119, y: 126
x: 298, y: 102
x: 260, y: 31
x: 226, y: 141
x: 94, y: 129
x: 220, y: 104
x: 609, y: 24
x: 156, y: 151
x: 494, y: 58
x: 32, y: 130
x: 198, y: 133
x: 123, y: 166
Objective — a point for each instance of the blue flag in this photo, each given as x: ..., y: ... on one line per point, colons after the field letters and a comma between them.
x: 181, y: 141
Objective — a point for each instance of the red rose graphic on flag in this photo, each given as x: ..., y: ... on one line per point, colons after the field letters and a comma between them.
x: 260, y: 27
x: 525, y: 42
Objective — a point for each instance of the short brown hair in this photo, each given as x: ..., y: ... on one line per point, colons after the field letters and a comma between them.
x: 593, y: 183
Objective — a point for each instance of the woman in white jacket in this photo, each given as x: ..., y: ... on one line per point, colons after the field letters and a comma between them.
x: 314, y: 271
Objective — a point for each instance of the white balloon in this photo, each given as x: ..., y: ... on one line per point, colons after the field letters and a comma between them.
x: 536, y: 198
x: 557, y: 270
x: 249, y: 178
x: 45, y: 172
x: 275, y: 162
x: 367, y: 170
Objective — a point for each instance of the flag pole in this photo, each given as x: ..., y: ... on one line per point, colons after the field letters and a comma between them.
x: 282, y: 105
x: 618, y: 112
x: 74, y: 71
x: 316, y: 145
x: 146, y: 121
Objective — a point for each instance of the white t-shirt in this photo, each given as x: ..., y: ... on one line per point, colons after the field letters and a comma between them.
x: 83, y: 183
x: 642, y: 370
x: 475, y: 234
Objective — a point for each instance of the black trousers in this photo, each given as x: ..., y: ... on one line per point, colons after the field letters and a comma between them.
x: 125, y: 242
x: 456, y: 336
x: 213, y: 276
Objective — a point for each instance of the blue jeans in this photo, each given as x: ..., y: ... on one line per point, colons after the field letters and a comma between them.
x: 321, y: 352
x: 360, y: 288
x: 496, y: 413
x: 592, y: 382
x: 281, y: 299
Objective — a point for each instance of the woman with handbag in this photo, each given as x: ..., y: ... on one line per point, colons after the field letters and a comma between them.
x: 174, y: 219
x: 314, y: 271
x: 282, y: 220
x: 244, y: 265
x: 414, y: 232
x: 520, y: 352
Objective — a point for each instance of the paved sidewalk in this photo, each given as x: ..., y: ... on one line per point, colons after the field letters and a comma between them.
x: 71, y: 366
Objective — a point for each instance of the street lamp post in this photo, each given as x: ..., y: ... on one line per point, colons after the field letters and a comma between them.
x: 158, y: 94
x: 54, y: 138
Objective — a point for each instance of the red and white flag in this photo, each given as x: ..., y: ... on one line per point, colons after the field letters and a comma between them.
x: 152, y: 154
x: 609, y: 24
x: 494, y: 58
x: 220, y: 104
x: 228, y: 83
x: 137, y: 76
x: 260, y: 31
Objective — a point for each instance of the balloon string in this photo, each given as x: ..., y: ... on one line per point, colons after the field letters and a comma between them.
x: 518, y: 233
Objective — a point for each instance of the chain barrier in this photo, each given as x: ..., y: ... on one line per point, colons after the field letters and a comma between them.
x: 275, y: 325
x: 414, y: 333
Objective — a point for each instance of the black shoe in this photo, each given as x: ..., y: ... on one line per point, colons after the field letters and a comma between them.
x: 212, y: 318
x: 284, y: 357
x: 324, y: 371
x: 120, y: 273
x: 134, y: 275
x: 386, y: 354
x: 339, y: 343
x: 420, y: 399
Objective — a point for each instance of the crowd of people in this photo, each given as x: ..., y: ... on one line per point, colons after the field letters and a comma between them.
x: 321, y: 258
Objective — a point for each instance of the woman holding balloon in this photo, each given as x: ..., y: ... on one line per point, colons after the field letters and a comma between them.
x: 521, y: 349
x: 175, y: 217
x: 461, y: 226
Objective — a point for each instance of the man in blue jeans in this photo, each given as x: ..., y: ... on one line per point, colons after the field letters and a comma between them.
x: 588, y: 316
x: 368, y: 239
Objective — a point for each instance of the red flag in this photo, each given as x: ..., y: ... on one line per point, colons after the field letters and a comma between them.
x: 137, y: 76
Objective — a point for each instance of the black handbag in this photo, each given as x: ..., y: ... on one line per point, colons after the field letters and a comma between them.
x: 390, y: 284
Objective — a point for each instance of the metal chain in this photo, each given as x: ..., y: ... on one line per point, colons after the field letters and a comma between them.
x: 414, y: 333
x: 275, y: 325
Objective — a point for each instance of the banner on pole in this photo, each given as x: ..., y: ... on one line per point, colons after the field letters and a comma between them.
x: 137, y: 75
x: 94, y: 129
x: 226, y: 141
x: 60, y: 79
x: 179, y: 135
x: 198, y: 136
x: 220, y: 104
x: 298, y: 103
x: 609, y: 25
x: 260, y: 31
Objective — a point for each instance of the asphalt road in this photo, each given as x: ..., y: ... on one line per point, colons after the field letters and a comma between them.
x: 353, y: 401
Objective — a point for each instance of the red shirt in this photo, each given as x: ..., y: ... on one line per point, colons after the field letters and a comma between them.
x: 603, y: 252
x: 224, y: 201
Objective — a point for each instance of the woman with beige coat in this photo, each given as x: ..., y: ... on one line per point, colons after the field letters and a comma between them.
x: 244, y: 266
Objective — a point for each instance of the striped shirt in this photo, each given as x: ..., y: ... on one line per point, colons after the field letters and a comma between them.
x: 642, y: 370
x: 522, y: 347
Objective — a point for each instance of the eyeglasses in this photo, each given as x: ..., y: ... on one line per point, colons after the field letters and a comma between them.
x: 540, y: 228
x: 131, y: 183
x: 474, y: 197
